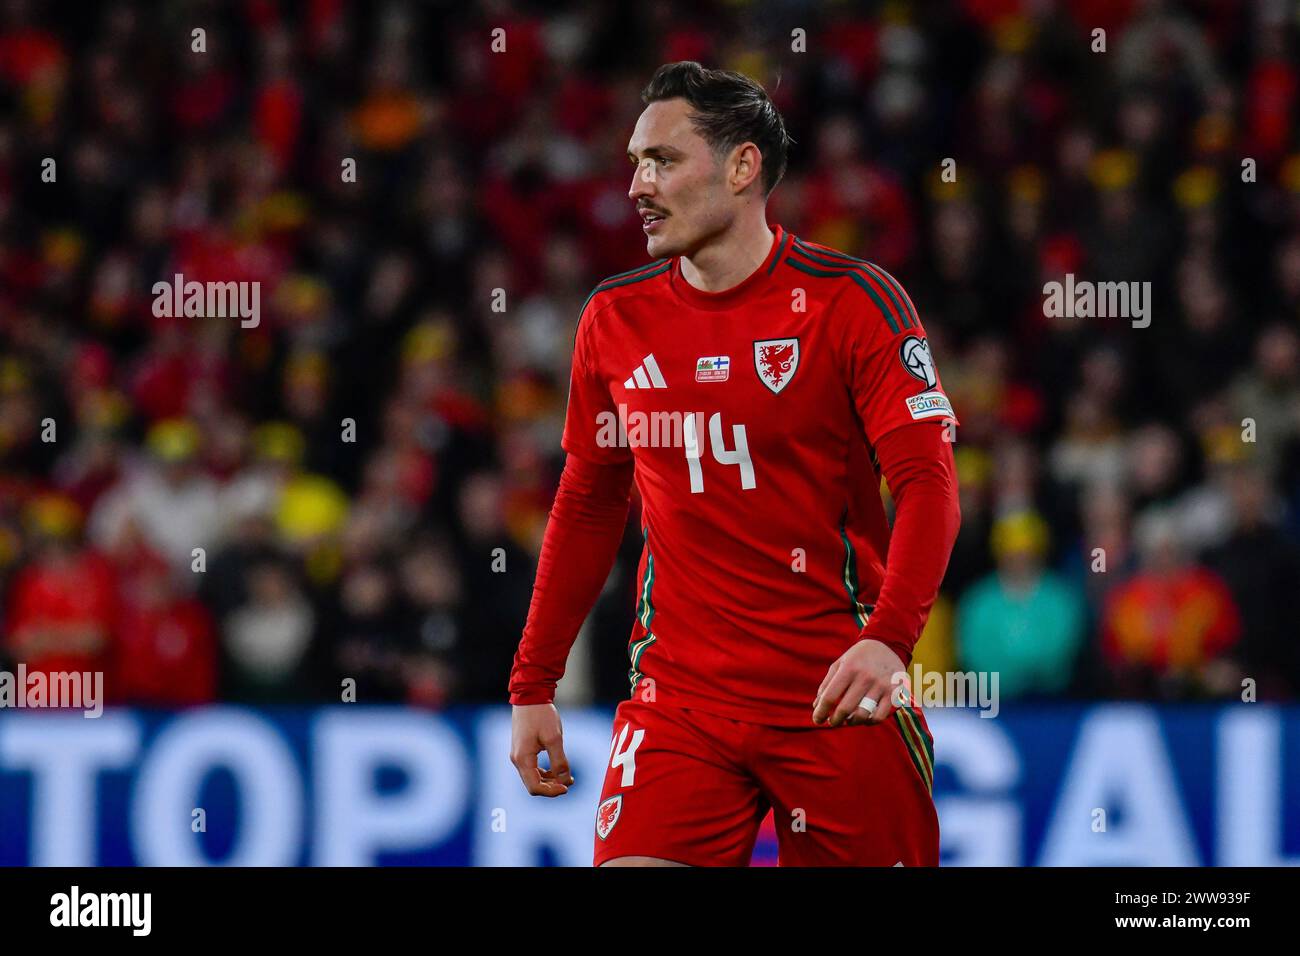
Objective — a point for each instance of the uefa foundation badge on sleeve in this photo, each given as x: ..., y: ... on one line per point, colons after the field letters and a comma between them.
x: 607, y: 815
x: 929, y: 405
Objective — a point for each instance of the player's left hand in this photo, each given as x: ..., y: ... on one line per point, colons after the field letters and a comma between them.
x: 867, y: 670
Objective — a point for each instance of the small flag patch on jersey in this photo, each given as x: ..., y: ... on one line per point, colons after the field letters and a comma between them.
x: 712, y: 368
x: 929, y: 404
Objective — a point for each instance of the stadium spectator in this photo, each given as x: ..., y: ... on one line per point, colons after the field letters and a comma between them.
x: 1268, y: 393
x: 1024, y: 623
x: 168, y: 499
x: 364, y: 623
x: 269, y: 647
x: 164, y: 654
x: 62, y: 614
x: 1261, y: 567
x: 429, y: 300
x: 1167, y: 630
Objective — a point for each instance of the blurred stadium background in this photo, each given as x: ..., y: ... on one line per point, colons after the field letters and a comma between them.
x: 478, y: 170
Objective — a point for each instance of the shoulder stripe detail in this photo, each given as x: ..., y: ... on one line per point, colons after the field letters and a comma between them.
x: 648, y: 271
x: 898, y: 289
x: 785, y: 237
x: 901, y: 297
x: 620, y: 275
x: 826, y: 251
x: 856, y: 277
x: 829, y: 257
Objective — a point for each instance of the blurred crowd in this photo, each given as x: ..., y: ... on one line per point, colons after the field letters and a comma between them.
x: 352, y: 493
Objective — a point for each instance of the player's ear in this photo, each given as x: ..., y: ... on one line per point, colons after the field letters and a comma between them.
x: 748, y: 166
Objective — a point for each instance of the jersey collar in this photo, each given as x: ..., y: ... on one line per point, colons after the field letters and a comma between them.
x: 728, y: 298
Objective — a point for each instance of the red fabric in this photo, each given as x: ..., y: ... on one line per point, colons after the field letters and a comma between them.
x: 865, y: 209
x: 1170, y: 622
x: 918, y: 467
x: 765, y: 547
x: 324, y: 19
x: 1113, y: 16
x: 692, y: 787
x: 160, y: 386
x: 199, y: 102
x: 521, y: 218
x: 606, y: 221
x: 581, y: 538
x: 164, y: 651
x: 461, y: 410
x: 168, y: 383
x: 581, y: 105
x: 851, y: 42
x: 1270, y: 105
x: 211, y: 256
x: 515, y: 77
x: 278, y: 119
x: 687, y: 42
x: 62, y: 615
x: 988, y: 14
x: 27, y: 52
x: 165, y: 655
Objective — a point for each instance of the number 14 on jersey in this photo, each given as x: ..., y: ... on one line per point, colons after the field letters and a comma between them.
x: 721, y: 453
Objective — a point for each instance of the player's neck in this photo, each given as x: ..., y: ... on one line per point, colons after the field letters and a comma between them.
x: 730, y: 259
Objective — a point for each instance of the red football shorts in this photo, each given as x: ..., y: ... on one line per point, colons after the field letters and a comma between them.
x: 691, y: 787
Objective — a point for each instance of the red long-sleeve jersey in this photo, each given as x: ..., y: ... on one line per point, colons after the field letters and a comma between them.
x: 757, y: 423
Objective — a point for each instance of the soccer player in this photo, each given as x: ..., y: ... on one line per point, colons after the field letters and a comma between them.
x: 756, y: 386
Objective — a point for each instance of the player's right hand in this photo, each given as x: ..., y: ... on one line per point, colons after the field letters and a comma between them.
x: 534, y: 728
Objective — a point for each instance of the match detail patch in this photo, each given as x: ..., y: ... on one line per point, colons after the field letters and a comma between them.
x: 712, y: 368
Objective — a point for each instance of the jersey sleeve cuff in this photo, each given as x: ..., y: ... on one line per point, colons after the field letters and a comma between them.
x: 538, y: 694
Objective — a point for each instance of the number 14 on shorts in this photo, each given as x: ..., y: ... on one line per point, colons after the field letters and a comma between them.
x: 625, y: 757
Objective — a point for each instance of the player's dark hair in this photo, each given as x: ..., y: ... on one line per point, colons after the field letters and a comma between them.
x: 727, y: 109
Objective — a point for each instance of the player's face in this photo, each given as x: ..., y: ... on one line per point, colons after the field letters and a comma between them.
x: 679, y: 187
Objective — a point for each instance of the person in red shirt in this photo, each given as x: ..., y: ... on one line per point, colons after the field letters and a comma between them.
x: 165, y: 653
x: 756, y: 387
x: 62, y: 611
x: 1172, y: 628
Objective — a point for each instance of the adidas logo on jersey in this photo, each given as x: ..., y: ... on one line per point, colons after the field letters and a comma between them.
x: 646, y: 375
